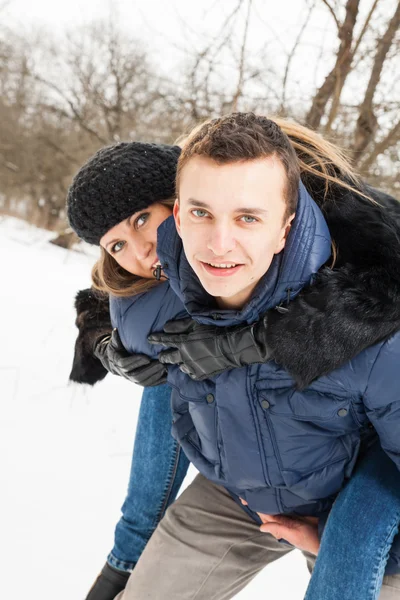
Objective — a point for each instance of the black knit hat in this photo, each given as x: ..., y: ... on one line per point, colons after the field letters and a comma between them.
x: 118, y: 181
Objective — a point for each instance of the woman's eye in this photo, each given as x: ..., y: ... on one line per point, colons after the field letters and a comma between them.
x: 141, y: 220
x: 198, y: 212
x: 117, y: 247
x: 248, y: 219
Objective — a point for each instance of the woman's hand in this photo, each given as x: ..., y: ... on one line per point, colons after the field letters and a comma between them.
x: 301, y: 532
x: 202, y: 351
x: 138, y: 368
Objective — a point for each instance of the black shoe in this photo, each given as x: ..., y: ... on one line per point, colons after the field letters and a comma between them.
x: 109, y: 583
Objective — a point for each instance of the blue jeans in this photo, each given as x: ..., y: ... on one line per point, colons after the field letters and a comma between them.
x: 158, y: 469
x: 359, y: 533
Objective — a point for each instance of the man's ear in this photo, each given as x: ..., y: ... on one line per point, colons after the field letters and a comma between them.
x: 177, y: 216
x: 285, y: 232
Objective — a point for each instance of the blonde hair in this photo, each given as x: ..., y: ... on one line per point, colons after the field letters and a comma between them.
x: 109, y: 277
x: 320, y: 158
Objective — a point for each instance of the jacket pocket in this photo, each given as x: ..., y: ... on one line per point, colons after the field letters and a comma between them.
x: 195, y: 416
x: 313, y: 433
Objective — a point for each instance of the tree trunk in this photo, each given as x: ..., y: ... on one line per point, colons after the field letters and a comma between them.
x: 367, y: 121
x: 341, y: 68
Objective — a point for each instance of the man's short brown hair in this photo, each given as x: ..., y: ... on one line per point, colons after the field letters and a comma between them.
x: 241, y: 137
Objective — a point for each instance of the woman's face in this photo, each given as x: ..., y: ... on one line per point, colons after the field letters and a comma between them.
x: 133, y: 242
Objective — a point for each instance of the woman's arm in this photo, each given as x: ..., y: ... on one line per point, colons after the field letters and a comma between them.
x: 138, y: 368
x: 99, y: 350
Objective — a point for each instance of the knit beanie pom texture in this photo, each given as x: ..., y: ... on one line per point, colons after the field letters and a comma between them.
x: 118, y: 181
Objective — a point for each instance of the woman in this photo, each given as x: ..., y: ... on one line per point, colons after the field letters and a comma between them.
x: 347, y: 349
x: 128, y: 177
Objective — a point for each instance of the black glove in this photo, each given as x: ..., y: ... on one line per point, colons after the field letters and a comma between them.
x: 138, y: 368
x: 93, y: 321
x: 202, y: 351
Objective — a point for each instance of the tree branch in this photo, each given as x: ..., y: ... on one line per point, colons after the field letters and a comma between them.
x: 329, y: 7
x: 239, y: 87
x: 391, y: 138
x: 339, y: 84
x: 365, y: 27
x: 59, y: 149
x: 341, y: 68
x: 74, y: 111
x: 367, y: 121
x: 291, y: 55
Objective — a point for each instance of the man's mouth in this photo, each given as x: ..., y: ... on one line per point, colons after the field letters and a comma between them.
x: 223, y: 265
x: 222, y: 269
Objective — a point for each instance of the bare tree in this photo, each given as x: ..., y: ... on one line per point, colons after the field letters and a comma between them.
x: 337, y: 76
x: 367, y: 122
x: 60, y: 102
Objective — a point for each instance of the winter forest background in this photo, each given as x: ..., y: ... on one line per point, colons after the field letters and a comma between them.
x: 74, y: 77
x: 331, y: 64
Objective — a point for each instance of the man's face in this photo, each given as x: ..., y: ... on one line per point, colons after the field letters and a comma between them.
x: 230, y: 219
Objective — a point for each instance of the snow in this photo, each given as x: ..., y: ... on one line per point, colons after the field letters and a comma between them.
x: 66, y: 449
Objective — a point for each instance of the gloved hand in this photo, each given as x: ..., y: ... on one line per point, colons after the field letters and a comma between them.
x: 202, y: 351
x: 138, y: 368
x: 93, y: 322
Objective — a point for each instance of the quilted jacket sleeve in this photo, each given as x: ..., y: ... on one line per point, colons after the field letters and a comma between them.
x: 382, y: 397
x: 138, y: 316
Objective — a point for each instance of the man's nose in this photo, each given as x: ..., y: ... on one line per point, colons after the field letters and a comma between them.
x: 221, y: 239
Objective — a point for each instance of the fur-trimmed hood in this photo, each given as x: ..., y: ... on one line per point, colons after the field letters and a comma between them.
x: 352, y: 306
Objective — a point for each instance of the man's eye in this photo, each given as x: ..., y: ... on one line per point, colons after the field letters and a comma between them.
x: 248, y: 219
x: 117, y: 247
x: 198, y: 212
x: 141, y: 220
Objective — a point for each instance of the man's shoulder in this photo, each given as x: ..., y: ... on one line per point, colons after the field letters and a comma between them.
x: 145, y: 301
x: 384, y: 376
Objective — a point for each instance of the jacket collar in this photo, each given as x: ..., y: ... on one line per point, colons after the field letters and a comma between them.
x: 307, y: 248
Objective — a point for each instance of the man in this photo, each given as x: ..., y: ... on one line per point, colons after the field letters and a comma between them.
x: 252, y: 239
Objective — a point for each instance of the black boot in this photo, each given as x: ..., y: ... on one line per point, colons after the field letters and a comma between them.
x: 108, y: 584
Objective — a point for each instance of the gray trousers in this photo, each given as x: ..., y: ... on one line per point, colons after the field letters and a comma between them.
x: 207, y: 548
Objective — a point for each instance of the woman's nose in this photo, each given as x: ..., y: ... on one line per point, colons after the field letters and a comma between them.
x: 141, y: 249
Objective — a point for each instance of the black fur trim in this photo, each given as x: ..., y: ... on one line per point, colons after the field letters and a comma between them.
x: 89, y: 299
x: 93, y: 321
x: 353, y: 306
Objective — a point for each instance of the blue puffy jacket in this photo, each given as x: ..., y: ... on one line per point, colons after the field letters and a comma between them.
x: 281, y: 449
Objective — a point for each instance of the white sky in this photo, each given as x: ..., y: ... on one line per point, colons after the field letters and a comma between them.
x: 160, y: 23
x: 162, y: 13
x: 170, y: 30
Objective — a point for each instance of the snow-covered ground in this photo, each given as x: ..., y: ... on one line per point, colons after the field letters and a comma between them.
x: 66, y: 449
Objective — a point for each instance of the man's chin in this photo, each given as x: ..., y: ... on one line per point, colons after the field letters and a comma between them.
x: 218, y: 290
x: 225, y: 288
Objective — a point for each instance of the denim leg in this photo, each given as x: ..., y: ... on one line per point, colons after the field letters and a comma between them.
x: 158, y: 469
x: 359, y: 533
